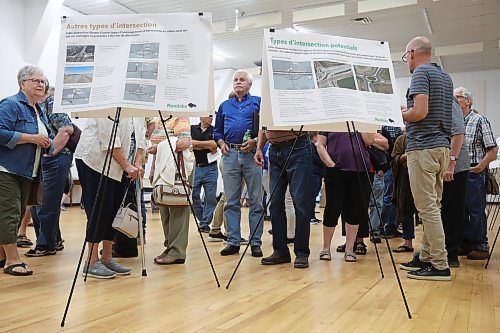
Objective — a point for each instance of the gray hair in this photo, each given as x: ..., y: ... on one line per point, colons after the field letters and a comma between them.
x: 464, y: 92
x: 27, y: 71
x: 248, y: 75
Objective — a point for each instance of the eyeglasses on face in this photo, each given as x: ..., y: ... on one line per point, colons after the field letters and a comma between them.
x: 37, y: 81
x: 405, y: 56
x: 460, y: 97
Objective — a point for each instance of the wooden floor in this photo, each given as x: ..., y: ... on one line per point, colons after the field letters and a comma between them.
x: 328, y: 297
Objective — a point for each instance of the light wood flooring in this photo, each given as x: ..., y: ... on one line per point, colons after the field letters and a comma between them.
x: 328, y: 297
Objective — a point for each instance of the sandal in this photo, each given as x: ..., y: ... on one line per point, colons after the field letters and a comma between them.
x: 360, y: 248
x: 165, y: 259
x: 23, y: 241
x: 341, y: 248
x: 325, y: 255
x: 10, y: 270
x: 350, y: 257
x: 403, y: 248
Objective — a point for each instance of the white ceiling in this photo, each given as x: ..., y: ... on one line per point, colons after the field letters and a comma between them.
x: 458, y: 26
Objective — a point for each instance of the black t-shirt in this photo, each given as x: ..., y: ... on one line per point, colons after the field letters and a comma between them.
x: 198, y: 135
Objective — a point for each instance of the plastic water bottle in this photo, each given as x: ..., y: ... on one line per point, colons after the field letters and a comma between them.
x: 247, y: 136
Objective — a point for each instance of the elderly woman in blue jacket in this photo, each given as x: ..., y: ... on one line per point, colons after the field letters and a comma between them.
x: 24, y: 133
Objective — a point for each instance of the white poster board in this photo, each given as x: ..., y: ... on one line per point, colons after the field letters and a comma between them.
x: 141, y: 63
x: 323, y: 81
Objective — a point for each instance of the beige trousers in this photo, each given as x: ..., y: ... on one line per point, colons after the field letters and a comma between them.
x: 426, y: 169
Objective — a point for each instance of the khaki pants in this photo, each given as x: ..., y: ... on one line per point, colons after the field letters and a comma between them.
x: 14, y: 194
x: 175, y: 228
x: 218, y: 217
x: 426, y: 169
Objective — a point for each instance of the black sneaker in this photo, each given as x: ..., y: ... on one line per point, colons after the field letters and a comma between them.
x: 375, y: 239
x: 276, y: 259
x: 219, y: 237
x: 256, y: 251
x: 229, y: 250
x: 414, y: 265
x: 301, y: 262
x: 205, y: 229
x: 431, y: 273
x: 37, y: 252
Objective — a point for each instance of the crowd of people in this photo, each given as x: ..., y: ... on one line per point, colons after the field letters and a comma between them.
x: 433, y: 172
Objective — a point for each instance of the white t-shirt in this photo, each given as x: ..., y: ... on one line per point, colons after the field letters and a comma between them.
x: 43, y: 131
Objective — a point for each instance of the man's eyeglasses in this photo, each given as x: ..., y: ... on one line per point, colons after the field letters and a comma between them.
x: 460, y: 97
x: 405, y: 56
x: 37, y: 81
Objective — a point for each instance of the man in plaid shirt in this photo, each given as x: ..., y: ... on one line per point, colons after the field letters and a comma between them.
x: 482, y: 149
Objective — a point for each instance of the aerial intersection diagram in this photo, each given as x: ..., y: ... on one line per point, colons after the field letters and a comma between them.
x: 334, y: 74
x: 75, y: 96
x: 373, y: 79
x: 322, y: 81
x: 292, y: 75
x: 140, y: 92
x: 80, y: 53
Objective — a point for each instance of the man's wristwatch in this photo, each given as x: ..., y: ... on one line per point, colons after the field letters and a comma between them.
x: 453, y: 158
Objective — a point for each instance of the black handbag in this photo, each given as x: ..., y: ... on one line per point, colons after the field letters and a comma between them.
x: 74, y: 139
x: 379, y: 159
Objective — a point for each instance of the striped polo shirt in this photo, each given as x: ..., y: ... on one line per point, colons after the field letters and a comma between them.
x: 435, y: 129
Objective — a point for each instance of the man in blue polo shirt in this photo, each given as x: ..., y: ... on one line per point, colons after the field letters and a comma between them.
x: 428, y: 131
x: 234, y: 122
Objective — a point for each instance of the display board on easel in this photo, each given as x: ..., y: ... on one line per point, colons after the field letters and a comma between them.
x: 322, y: 81
x: 141, y: 63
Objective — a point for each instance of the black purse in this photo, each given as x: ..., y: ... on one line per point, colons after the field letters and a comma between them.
x: 379, y: 159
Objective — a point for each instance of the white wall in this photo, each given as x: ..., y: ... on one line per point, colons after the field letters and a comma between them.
x: 19, y: 23
x: 485, y: 87
x: 11, y: 57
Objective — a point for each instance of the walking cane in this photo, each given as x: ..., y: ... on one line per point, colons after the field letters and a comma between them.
x: 138, y: 188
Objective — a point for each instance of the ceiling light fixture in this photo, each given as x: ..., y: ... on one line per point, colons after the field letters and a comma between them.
x: 237, y: 14
x: 427, y: 21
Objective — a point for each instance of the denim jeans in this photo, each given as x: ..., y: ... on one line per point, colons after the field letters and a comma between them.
x: 296, y: 175
x: 235, y: 167
x: 389, y: 213
x: 378, y: 193
x: 205, y: 177
x: 46, y: 217
x: 475, y: 218
x: 408, y: 226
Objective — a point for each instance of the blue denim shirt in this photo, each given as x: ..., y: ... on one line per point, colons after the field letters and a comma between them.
x: 234, y: 118
x: 18, y: 117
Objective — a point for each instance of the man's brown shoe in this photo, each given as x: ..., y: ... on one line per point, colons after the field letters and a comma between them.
x: 478, y: 255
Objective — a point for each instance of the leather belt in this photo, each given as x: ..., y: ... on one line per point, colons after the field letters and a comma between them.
x: 287, y: 143
x: 201, y: 165
x: 236, y: 146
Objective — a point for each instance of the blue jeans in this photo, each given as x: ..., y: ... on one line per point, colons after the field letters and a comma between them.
x: 378, y: 192
x: 46, y: 217
x: 408, y: 226
x: 389, y: 213
x: 475, y: 218
x: 207, y: 177
x: 235, y: 167
x: 297, y: 175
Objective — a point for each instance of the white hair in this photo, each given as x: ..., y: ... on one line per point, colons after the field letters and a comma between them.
x: 27, y: 71
x: 464, y: 92
x: 248, y: 75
